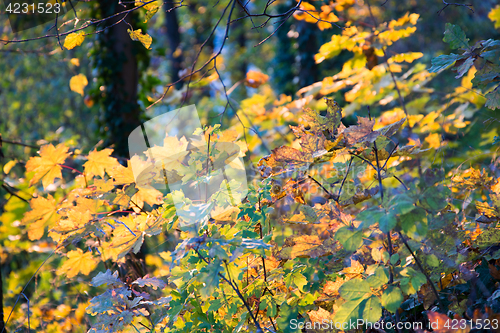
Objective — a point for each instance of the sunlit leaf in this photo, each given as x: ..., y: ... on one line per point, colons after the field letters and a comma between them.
x: 74, y: 39
x: 47, y: 166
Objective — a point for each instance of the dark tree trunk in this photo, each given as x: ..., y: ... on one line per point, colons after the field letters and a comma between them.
x: 118, y: 68
x: 308, y: 70
x: 174, y: 41
x: 284, y: 60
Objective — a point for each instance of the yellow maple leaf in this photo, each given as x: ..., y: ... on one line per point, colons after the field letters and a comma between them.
x: 43, y: 212
x: 171, y: 154
x: 434, y: 140
x: 74, y: 39
x: 77, y: 83
x: 127, y: 237
x: 78, y: 262
x: 494, y: 16
x: 47, y: 165
x: 98, y: 161
x: 137, y: 35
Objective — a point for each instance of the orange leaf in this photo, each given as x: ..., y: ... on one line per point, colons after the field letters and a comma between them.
x: 47, y: 165
x: 255, y: 79
x: 78, y: 262
x: 98, y: 161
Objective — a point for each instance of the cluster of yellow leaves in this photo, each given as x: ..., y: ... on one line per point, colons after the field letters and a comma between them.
x: 388, y: 33
x: 323, y: 17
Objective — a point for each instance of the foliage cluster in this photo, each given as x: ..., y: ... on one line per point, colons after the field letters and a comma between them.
x: 386, y: 218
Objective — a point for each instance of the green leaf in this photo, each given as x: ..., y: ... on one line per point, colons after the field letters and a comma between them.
x: 442, y: 62
x: 392, y: 298
x: 371, y: 309
x: 454, y: 36
x: 354, y: 289
x: 351, y: 240
x: 378, y: 279
x: 493, y: 99
x: 209, y: 276
x: 432, y: 260
x: 387, y: 222
x: 370, y: 216
x: 464, y: 67
x: 402, y: 204
x: 287, y: 314
x: 349, y: 311
x: 394, y: 259
x: 414, y: 224
x: 418, y: 280
x: 434, y: 198
x: 297, y: 279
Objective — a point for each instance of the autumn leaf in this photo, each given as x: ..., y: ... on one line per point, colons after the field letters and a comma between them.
x: 306, y: 246
x: 78, y: 262
x: 98, y: 161
x: 255, y: 79
x: 171, y: 154
x: 77, y: 83
x: 320, y: 315
x: 363, y: 132
x: 43, y: 212
x: 74, y: 39
x: 47, y: 166
x: 494, y: 16
x: 137, y: 35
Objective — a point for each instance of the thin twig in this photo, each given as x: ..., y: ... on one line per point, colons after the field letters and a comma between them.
x: 446, y: 4
x: 419, y: 264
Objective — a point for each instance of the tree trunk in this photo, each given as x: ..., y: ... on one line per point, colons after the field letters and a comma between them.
x: 174, y: 40
x: 308, y: 70
x: 118, y: 75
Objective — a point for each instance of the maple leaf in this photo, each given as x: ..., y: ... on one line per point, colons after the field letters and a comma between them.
x: 43, y: 212
x: 78, y: 262
x: 326, y: 124
x: 47, y: 166
x: 98, y: 161
x: 170, y: 155
x: 361, y: 133
x: 153, y: 282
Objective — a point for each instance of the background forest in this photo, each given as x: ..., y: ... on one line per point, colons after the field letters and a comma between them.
x: 368, y: 132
